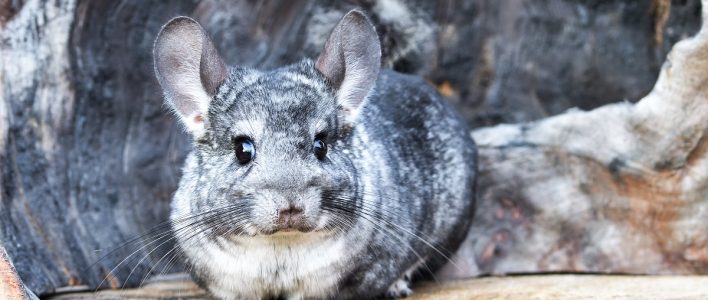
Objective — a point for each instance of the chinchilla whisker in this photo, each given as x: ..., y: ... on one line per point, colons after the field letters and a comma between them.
x: 146, y: 256
x: 172, y: 260
x: 389, y: 211
x: 388, y: 232
x: 142, y: 259
x: 392, y: 234
x: 187, y: 239
x: 372, y: 220
x: 172, y: 254
x: 170, y: 235
x: 160, y: 229
x: 176, y: 253
x: 413, y: 234
x: 209, y: 223
x: 217, y: 221
x: 128, y: 257
x: 165, y: 237
x: 341, y: 224
x: 164, y: 226
x: 419, y: 235
x: 368, y: 212
x: 167, y: 266
x: 194, y: 232
x: 236, y: 225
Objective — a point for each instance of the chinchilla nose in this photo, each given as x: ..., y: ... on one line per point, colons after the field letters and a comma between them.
x: 289, y: 217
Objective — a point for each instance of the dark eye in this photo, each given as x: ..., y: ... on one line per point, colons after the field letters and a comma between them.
x: 319, y: 148
x: 245, y: 151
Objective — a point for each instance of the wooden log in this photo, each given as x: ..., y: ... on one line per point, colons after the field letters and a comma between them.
x: 619, y: 189
x: 11, y: 286
x: 546, y: 287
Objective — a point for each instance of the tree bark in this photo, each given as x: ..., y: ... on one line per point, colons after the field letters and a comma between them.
x: 89, y: 158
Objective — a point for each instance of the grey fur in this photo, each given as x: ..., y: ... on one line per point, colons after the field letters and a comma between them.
x: 394, y: 195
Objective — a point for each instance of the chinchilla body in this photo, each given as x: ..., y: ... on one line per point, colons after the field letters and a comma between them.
x: 325, y: 179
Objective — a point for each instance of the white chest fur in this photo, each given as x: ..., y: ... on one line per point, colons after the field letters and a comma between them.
x: 289, y: 264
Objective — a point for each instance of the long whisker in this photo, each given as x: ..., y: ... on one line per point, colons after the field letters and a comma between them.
x: 224, y: 219
x: 177, y: 227
x: 366, y: 211
x: 161, y: 228
x: 387, y: 210
x: 402, y: 242
x: 390, y: 212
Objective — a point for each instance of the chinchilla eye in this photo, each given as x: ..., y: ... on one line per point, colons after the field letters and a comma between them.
x: 319, y: 148
x: 245, y: 151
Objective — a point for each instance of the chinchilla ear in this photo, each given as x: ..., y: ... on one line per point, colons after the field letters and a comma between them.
x: 189, y: 70
x: 350, y: 61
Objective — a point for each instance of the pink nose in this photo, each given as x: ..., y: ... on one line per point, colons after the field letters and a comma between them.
x: 289, y: 217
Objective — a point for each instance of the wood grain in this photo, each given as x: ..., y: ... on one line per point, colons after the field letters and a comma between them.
x: 11, y: 286
x: 546, y: 287
x: 619, y: 189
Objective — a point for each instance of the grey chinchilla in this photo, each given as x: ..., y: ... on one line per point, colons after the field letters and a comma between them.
x: 324, y: 179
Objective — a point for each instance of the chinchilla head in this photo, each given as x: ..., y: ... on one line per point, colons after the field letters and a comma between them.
x: 271, y: 148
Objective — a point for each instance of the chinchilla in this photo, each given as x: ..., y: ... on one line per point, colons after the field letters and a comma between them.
x: 325, y: 179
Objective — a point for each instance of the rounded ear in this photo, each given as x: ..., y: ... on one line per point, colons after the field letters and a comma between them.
x: 350, y: 61
x: 189, y: 70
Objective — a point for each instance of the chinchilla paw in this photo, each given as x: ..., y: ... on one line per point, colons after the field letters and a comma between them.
x: 399, y: 289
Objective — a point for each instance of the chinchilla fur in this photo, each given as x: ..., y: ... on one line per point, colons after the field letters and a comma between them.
x: 325, y: 179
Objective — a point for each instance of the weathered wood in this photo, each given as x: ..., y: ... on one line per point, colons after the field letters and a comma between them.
x: 11, y: 286
x: 569, y: 287
x: 89, y: 158
x: 546, y: 287
x: 168, y: 286
x: 619, y: 189
x: 510, y: 61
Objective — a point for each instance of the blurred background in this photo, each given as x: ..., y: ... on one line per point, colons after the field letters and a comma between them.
x: 89, y: 156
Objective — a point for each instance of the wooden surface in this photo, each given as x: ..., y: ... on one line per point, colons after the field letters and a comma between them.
x: 89, y: 157
x: 546, y: 287
x: 569, y: 287
x: 619, y: 189
x: 11, y: 286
